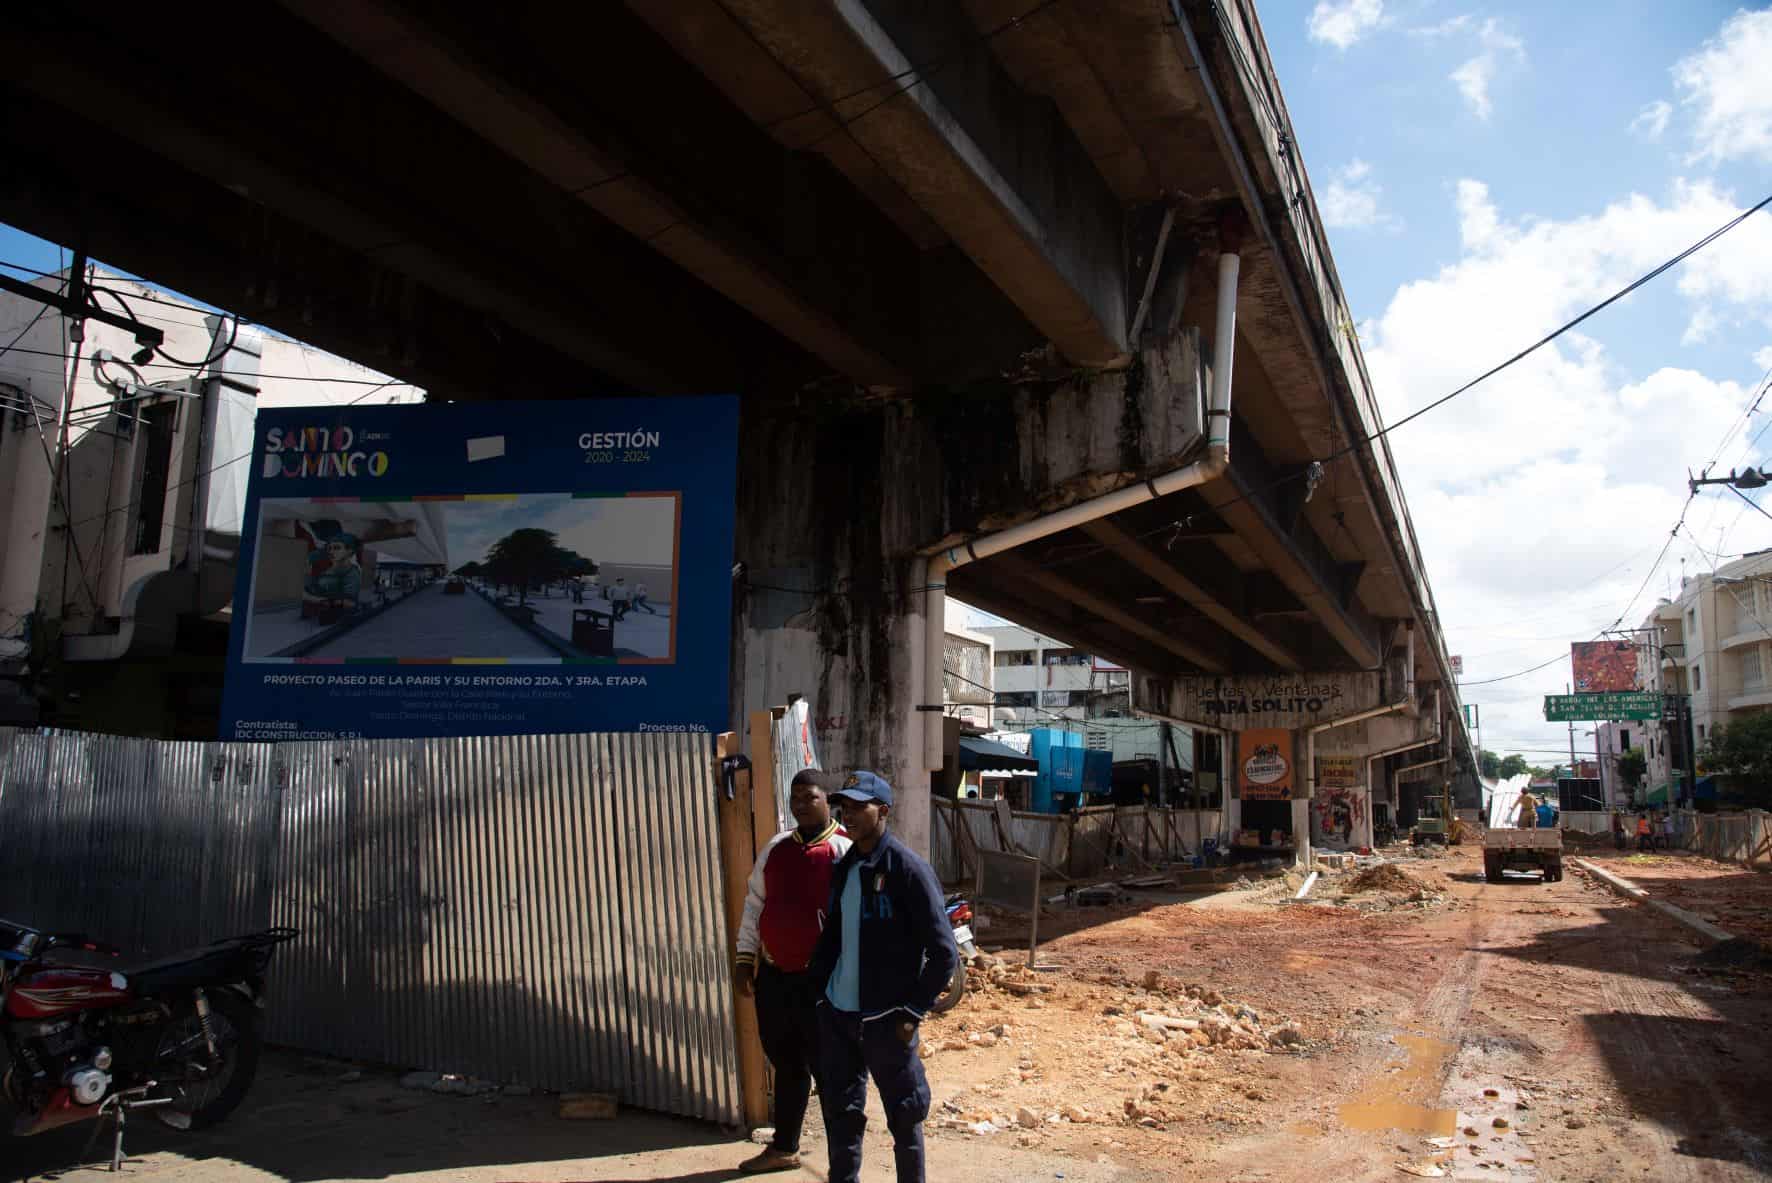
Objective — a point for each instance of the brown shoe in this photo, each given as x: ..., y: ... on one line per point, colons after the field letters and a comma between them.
x: 770, y: 1160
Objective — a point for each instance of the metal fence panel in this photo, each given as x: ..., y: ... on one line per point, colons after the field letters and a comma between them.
x: 543, y: 909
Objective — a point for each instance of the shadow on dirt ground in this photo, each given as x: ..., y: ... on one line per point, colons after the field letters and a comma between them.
x: 307, y: 1119
x: 1681, y: 1039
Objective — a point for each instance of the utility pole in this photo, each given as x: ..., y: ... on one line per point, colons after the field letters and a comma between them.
x: 1568, y: 689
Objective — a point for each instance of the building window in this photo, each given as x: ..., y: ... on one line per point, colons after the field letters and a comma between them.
x: 1096, y: 740
x: 1017, y: 698
x: 160, y: 421
x: 1119, y: 678
x: 1751, y: 676
x: 1624, y: 739
x: 1691, y: 624
x: 1010, y: 658
x: 1065, y: 657
x: 1701, y: 733
x: 1697, y: 676
x: 1064, y: 698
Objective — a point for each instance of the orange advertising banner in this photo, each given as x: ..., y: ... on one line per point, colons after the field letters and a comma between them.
x: 1264, y: 764
x: 1603, y: 667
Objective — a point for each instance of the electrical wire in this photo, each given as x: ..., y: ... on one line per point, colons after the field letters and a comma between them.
x: 159, y: 365
x: 1749, y: 500
x: 233, y: 333
x: 29, y: 325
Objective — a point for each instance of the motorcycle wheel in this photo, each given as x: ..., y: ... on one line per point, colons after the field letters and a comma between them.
x: 955, y: 991
x: 203, y: 1102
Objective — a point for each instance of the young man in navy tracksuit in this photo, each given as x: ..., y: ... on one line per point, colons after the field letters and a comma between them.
x: 886, y: 953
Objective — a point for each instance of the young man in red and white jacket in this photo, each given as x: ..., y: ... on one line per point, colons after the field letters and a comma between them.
x: 783, y: 914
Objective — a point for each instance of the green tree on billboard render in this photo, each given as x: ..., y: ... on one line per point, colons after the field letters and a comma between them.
x: 1742, y: 750
x: 531, y: 557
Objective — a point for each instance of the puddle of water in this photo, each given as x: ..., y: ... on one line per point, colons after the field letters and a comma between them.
x: 1384, y: 1106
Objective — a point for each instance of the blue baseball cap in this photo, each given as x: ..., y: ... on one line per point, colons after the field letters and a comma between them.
x: 864, y: 787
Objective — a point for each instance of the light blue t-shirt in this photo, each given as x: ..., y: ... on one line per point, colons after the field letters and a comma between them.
x: 844, y: 988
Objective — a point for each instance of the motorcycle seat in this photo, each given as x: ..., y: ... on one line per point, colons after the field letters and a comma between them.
x: 209, y: 966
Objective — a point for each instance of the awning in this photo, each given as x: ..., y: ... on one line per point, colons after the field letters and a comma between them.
x: 1668, y: 791
x: 978, y: 754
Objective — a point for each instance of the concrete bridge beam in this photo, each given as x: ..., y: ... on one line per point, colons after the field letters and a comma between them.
x: 995, y: 167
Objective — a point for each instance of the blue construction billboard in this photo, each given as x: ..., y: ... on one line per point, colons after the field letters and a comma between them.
x: 485, y: 568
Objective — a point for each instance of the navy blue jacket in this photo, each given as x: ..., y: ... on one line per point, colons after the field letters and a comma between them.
x: 908, y: 953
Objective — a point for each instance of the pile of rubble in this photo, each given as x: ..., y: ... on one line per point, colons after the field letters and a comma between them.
x: 1386, y: 886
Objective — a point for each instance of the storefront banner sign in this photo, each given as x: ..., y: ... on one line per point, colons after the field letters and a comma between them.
x: 1338, y: 772
x: 485, y: 568
x: 1264, y: 764
x: 1287, y: 701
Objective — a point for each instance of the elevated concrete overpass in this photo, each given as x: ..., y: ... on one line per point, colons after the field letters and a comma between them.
x: 969, y: 264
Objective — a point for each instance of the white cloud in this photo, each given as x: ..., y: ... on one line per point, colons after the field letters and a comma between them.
x: 1651, y: 121
x: 1727, y: 85
x: 1445, y: 28
x: 1475, y: 75
x: 1542, y: 497
x: 1353, y: 199
x: 1342, y: 22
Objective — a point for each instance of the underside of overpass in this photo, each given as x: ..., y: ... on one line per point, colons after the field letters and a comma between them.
x: 956, y: 256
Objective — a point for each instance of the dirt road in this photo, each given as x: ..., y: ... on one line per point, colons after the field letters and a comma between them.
x: 1571, y: 1016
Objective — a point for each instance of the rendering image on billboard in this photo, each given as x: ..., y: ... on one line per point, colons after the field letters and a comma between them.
x: 1603, y: 667
x: 495, y: 578
x: 484, y: 569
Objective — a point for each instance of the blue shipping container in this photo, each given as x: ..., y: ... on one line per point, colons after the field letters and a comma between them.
x: 1062, y: 769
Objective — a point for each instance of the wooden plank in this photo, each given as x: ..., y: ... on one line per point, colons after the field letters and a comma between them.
x: 738, y: 853
x: 763, y: 776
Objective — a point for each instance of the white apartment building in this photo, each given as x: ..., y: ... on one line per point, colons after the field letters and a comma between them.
x: 121, y: 586
x: 1713, y: 643
x: 1612, y: 740
x: 966, y: 682
x: 1039, y: 682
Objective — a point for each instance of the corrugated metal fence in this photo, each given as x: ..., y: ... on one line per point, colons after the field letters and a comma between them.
x: 541, y: 909
x: 1732, y: 837
x: 1075, y: 845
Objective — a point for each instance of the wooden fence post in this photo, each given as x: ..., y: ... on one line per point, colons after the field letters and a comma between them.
x: 738, y: 853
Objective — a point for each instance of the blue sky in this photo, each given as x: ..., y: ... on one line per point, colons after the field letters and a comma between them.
x: 1486, y: 174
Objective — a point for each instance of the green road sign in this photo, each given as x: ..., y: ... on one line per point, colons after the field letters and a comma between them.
x: 1600, y: 708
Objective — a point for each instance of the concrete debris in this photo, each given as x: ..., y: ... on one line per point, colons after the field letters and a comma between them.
x: 763, y: 1135
x: 462, y: 1086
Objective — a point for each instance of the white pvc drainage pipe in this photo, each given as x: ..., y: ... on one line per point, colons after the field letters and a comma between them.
x: 1208, y: 467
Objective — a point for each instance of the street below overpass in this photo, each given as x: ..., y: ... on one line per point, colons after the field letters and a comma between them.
x: 1414, y: 1021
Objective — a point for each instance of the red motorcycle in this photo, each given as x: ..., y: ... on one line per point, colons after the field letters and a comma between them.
x: 179, y: 1037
